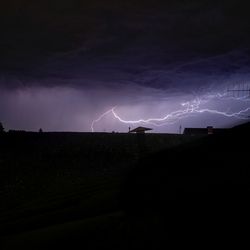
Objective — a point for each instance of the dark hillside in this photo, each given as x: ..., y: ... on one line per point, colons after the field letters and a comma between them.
x: 195, y: 194
x: 123, y: 191
x: 47, y: 172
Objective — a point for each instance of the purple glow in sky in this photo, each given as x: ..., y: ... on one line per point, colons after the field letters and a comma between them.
x: 218, y: 109
x: 95, y: 66
x: 71, y: 109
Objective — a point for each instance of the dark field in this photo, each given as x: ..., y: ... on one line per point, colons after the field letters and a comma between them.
x: 123, y: 191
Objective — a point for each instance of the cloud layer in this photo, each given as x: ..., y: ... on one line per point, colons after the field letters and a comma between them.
x: 63, y: 64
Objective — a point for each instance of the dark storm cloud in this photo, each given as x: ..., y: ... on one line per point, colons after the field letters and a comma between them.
x: 115, y: 40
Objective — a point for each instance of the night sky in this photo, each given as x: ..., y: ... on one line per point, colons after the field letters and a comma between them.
x: 105, y: 65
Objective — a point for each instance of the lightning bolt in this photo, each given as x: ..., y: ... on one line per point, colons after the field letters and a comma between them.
x: 190, y: 108
x: 99, y: 118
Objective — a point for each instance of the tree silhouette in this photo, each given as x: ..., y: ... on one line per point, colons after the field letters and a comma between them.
x: 1, y: 128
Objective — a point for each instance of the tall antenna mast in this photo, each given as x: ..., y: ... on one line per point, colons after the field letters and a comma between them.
x: 180, y: 128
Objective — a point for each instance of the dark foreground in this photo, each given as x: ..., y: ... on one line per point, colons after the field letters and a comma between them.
x: 120, y: 191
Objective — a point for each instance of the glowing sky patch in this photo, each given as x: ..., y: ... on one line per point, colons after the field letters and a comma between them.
x: 189, y: 109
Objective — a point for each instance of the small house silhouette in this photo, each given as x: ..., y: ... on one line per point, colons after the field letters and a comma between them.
x: 139, y: 130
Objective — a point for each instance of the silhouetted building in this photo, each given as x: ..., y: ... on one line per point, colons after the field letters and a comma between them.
x: 204, y: 131
x: 139, y: 130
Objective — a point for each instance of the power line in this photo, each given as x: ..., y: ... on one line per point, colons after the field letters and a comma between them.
x: 241, y: 90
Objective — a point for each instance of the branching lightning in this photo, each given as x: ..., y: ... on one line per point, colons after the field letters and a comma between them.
x: 99, y: 118
x: 189, y: 109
